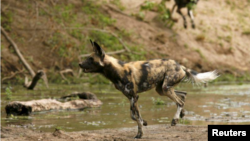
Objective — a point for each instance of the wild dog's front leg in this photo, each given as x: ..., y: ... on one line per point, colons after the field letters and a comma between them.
x: 184, y: 18
x: 132, y: 113
x: 135, y: 115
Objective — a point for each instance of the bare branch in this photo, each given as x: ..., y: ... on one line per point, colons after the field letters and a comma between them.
x: 70, y: 71
x: 26, y: 65
x: 19, y: 54
x: 13, y: 75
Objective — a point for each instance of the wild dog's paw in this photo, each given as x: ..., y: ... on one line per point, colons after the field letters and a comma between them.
x: 193, y: 26
x: 138, y: 136
x: 182, y: 114
x: 174, y: 122
x: 145, y: 123
x: 185, y: 25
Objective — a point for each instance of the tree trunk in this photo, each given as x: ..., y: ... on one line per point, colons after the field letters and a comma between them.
x: 88, y: 100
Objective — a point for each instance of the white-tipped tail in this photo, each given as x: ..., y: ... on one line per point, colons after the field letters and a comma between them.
x: 205, y: 77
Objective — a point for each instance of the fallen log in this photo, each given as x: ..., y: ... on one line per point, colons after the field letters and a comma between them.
x: 87, y: 100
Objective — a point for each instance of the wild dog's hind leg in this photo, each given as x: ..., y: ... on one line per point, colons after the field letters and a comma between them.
x: 135, y: 115
x: 169, y: 91
x: 182, y: 95
x: 180, y: 113
x: 172, y: 79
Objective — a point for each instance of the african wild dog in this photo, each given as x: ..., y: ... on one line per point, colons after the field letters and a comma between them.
x: 135, y: 77
x: 184, y: 3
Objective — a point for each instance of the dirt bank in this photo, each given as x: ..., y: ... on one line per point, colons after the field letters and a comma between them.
x: 41, y: 29
x: 151, y: 133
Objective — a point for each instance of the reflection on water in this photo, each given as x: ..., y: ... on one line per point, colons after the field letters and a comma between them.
x: 218, y: 103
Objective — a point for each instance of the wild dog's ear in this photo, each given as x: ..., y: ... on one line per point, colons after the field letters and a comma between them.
x: 98, y: 50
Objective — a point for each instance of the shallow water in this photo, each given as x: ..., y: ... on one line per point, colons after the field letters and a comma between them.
x: 216, y: 104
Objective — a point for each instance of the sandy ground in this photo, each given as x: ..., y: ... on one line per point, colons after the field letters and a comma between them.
x: 151, y: 133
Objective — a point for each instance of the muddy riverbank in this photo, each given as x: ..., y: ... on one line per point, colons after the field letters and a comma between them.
x: 151, y: 133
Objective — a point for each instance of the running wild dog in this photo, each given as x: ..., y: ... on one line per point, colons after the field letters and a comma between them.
x: 185, y: 3
x: 139, y: 76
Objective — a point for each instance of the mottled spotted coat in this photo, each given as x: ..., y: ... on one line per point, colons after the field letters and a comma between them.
x: 135, y: 77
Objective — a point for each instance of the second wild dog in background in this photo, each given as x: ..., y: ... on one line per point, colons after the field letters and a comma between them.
x: 182, y: 4
x: 139, y: 76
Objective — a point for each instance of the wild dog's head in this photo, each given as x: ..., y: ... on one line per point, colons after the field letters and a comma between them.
x: 94, y: 63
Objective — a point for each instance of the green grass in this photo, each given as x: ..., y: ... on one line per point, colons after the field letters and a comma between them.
x: 184, y: 121
x: 200, y: 38
x: 140, y: 16
x: 108, y: 41
x: 158, y: 101
x: 96, y: 14
x: 246, y: 32
x: 6, y: 20
x: 226, y: 38
x: 186, y: 46
x: 147, y: 5
x: 118, y: 4
x: 58, y: 128
x: 200, y: 53
x: 164, y: 14
x: 232, y: 78
x: 8, y: 93
x: 1, y: 47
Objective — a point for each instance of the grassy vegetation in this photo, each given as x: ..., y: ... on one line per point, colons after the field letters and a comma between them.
x: 96, y: 17
x: 184, y: 121
x: 118, y: 4
x: 232, y: 78
x: 6, y: 20
x: 200, y: 38
x: 186, y: 46
x: 200, y: 53
x: 111, y: 43
x: 227, y: 38
x: 8, y: 93
x: 70, y: 43
x: 59, y: 128
x: 158, y: 101
x: 246, y: 32
x: 1, y: 47
x: 164, y: 14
